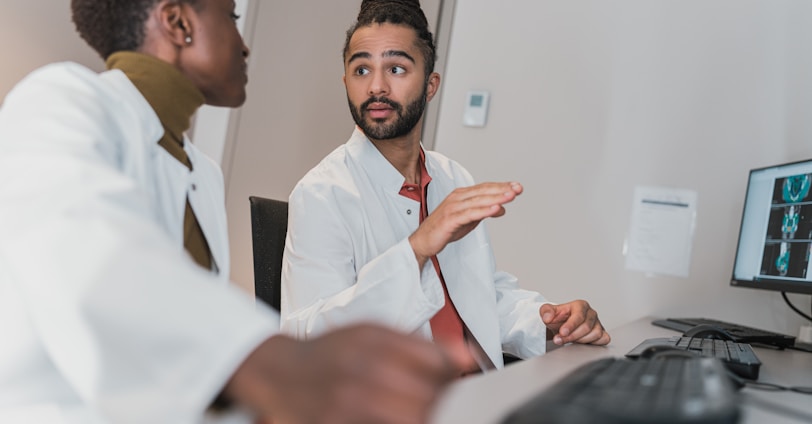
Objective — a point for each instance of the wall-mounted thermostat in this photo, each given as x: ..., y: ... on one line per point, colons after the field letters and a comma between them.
x: 476, y: 109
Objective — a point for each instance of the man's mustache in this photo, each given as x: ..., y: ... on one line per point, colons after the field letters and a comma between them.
x: 394, y: 105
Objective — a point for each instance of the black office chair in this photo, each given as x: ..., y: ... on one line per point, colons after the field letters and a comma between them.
x: 269, y: 226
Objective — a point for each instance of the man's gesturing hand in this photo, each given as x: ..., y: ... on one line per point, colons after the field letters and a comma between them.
x: 460, y: 213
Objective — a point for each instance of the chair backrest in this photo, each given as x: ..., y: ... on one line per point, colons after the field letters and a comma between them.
x: 269, y: 226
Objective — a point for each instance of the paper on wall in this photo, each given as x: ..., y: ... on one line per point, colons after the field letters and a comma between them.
x: 662, y: 231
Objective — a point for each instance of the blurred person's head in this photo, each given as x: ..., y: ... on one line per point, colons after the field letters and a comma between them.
x: 198, y: 37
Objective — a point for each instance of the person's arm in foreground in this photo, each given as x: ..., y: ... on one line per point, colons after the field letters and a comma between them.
x: 357, y: 374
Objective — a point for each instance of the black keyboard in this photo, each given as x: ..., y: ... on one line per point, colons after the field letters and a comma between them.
x: 669, y: 390
x: 737, y: 357
x: 740, y: 333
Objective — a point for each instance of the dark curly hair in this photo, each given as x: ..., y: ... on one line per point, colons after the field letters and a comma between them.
x: 399, y: 12
x: 109, y: 26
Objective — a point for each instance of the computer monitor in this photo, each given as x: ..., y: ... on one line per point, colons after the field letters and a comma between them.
x: 775, y: 238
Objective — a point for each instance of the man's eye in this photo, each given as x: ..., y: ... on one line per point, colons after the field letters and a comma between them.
x: 398, y: 69
x: 234, y: 16
x: 361, y: 71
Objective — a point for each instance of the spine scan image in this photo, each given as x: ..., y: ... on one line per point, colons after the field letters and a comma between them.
x: 789, y: 230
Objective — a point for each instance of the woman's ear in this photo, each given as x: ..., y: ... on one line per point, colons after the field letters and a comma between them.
x: 168, y: 29
x: 173, y: 22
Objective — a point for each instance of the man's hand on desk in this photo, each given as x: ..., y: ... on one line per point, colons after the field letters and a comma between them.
x: 573, y: 322
x: 357, y: 374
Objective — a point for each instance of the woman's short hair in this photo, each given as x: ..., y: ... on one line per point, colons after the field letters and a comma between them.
x: 109, y: 26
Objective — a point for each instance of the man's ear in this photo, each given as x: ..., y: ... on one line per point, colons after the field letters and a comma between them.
x: 432, y: 85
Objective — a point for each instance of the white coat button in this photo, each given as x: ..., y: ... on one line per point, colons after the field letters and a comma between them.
x: 408, y: 211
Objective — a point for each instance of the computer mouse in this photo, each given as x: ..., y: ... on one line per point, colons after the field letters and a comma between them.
x: 708, y: 331
x: 664, y: 350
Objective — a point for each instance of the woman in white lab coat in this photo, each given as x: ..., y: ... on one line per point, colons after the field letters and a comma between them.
x: 104, y: 315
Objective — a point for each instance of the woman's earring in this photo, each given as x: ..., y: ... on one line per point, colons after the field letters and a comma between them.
x: 188, y: 39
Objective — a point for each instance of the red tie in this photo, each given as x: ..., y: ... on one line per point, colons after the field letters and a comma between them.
x: 446, y: 325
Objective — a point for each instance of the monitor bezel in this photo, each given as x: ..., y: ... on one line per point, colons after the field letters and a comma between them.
x: 770, y: 284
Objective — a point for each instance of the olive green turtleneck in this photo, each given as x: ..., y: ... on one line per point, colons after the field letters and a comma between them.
x: 175, y: 99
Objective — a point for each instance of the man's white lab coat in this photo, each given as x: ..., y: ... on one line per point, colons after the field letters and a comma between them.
x: 103, y: 316
x: 348, y: 258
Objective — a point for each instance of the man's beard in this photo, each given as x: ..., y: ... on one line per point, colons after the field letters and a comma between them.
x: 406, y: 118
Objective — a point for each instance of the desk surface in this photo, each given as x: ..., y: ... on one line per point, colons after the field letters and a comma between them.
x: 486, y: 398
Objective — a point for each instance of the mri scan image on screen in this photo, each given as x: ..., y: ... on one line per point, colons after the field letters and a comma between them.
x: 775, y: 238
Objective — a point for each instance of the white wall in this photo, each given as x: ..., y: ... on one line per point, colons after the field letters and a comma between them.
x: 590, y: 98
x: 32, y: 35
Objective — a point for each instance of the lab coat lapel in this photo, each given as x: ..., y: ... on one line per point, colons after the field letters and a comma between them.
x: 376, y: 176
x: 158, y: 165
x: 208, y: 207
x: 150, y: 163
x: 172, y: 194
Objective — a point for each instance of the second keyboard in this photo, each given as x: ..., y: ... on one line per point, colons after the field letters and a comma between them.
x: 737, y: 357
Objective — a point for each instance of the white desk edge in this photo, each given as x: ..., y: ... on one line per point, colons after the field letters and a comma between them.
x: 487, y: 398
